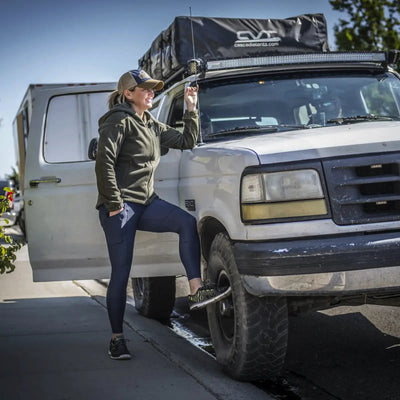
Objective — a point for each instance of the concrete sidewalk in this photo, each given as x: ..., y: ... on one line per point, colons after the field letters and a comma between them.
x: 53, y: 345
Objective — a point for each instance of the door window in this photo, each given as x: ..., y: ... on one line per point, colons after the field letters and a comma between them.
x: 72, y: 121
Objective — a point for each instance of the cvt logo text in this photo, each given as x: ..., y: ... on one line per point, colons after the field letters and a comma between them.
x: 261, y: 39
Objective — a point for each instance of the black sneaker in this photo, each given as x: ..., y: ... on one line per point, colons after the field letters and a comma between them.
x: 207, y: 294
x: 118, y: 349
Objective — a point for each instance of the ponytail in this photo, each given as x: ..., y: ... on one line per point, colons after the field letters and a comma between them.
x: 115, y: 98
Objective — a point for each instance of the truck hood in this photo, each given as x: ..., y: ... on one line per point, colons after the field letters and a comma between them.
x: 364, y: 137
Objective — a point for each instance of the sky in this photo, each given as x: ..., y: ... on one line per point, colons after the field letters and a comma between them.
x: 71, y: 41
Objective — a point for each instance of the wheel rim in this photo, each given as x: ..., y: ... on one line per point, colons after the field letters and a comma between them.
x: 225, y: 310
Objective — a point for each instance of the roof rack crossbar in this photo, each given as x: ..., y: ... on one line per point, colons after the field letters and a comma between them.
x: 374, y: 57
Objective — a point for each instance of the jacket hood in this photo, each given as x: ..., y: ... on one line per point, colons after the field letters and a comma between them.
x: 124, y: 108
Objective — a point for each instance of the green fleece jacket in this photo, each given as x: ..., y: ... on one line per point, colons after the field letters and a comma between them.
x: 129, y: 151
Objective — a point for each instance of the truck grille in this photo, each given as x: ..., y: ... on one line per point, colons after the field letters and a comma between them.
x: 364, y: 189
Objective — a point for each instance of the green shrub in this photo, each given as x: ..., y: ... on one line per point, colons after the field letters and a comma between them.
x: 7, y: 250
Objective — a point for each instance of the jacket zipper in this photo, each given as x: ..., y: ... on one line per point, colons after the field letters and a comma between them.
x: 152, y: 135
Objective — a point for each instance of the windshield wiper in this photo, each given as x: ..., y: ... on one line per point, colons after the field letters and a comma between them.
x: 298, y: 126
x: 361, y: 118
x: 257, y: 129
x: 248, y: 129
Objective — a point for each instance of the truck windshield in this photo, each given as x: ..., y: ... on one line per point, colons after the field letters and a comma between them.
x: 266, y: 105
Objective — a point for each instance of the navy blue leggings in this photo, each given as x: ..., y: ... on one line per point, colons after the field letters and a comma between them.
x: 120, y: 230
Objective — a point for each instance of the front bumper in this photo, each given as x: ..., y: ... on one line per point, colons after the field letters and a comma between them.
x: 316, y: 266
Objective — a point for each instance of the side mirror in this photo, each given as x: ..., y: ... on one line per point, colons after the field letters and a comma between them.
x: 92, y: 150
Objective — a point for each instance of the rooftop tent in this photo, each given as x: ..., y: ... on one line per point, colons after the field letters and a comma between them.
x: 222, y: 38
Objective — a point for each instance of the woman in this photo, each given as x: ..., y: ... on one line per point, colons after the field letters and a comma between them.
x: 127, y: 155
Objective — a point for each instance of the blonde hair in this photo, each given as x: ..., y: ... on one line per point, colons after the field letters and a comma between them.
x: 115, y: 98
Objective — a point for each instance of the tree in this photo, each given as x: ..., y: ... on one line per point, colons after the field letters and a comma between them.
x: 373, y: 25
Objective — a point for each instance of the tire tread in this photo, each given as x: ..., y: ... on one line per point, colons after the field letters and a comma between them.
x: 261, y: 331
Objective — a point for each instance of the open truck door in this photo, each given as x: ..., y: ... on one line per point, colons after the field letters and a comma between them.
x: 65, y: 240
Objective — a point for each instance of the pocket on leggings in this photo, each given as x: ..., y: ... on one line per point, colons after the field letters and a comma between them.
x: 112, y: 226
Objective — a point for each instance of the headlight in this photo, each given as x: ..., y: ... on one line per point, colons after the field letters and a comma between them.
x: 283, y: 194
x: 292, y: 185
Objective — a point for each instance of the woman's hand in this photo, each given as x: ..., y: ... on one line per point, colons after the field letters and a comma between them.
x: 191, y: 97
x: 112, y: 213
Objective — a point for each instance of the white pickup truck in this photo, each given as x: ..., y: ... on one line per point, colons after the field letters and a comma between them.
x: 295, y: 184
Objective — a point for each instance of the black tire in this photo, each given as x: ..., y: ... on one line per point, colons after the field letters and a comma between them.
x: 249, y: 333
x: 154, y: 297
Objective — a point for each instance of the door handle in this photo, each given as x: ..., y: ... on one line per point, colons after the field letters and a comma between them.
x: 48, y: 179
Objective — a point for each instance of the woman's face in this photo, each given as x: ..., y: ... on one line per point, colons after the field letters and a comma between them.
x: 142, y: 99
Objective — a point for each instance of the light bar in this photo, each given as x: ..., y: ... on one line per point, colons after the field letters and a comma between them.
x: 377, y: 57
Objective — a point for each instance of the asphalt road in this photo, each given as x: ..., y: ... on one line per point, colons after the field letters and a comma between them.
x: 348, y: 353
